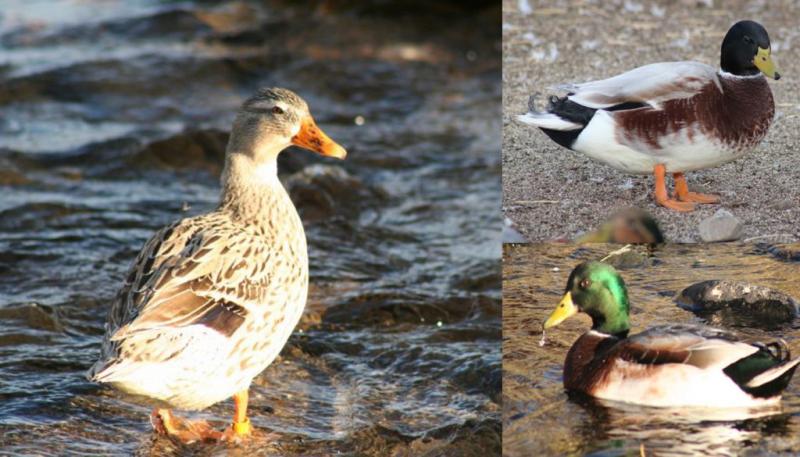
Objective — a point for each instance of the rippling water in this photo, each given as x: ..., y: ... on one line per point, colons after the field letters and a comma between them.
x: 114, y: 120
x: 534, y: 401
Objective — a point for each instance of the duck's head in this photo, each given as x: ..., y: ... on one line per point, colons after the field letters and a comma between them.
x: 629, y: 226
x: 746, y: 51
x: 596, y: 289
x: 273, y: 119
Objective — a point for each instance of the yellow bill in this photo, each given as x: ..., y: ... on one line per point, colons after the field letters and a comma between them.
x: 564, y: 310
x: 763, y: 61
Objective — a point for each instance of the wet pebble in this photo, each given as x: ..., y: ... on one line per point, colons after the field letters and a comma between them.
x: 722, y: 226
x: 738, y: 304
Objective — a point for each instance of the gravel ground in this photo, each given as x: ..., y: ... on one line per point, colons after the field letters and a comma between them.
x: 553, y: 193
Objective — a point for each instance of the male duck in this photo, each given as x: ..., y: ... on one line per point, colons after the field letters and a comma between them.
x: 666, y: 366
x: 211, y: 300
x: 670, y: 117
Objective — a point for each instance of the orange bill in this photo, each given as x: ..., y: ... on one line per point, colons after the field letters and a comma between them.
x: 312, y: 138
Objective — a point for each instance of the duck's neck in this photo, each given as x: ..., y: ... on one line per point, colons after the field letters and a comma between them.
x: 252, y: 191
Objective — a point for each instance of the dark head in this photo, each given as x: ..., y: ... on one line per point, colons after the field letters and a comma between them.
x: 273, y: 119
x: 746, y: 51
x: 596, y: 289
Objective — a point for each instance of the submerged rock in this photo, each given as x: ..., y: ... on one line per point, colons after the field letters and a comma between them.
x: 193, y: 149
x: 322, y: 191
x: 788, y: 251
x: 722, y: 226
x: 738, y: 304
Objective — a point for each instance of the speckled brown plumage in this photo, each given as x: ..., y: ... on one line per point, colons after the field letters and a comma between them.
x: 211, y: 300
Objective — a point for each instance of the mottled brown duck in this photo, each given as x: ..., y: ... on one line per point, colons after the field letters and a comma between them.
x: 210, y: 300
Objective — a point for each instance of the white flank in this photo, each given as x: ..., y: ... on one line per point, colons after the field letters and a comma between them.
x: 675, y: 385
x: 679, y: 154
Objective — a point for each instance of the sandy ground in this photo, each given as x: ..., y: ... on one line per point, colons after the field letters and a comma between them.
x: 551, y: 192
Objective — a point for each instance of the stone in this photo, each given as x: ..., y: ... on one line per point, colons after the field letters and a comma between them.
x: 738, y: 304
x: 722, y: 226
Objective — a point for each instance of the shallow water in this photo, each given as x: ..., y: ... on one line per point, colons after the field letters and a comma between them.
x: 113, y: 124
x: 537, y: 413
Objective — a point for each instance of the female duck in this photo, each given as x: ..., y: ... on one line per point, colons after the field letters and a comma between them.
x: 671, y: 117
x: 211, y: 300
x: 667, y: 366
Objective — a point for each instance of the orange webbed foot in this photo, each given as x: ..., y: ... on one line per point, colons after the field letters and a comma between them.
x: 659, y: 171
x: 181, y: 430
x: 698, y: 198
x: 682, y: 192
x: 676, y: 205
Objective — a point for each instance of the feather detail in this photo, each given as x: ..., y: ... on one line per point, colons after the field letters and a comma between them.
x: 677, y: 365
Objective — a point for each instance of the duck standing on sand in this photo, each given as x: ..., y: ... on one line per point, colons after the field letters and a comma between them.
x: 670, y: 117
x: 666, y: 366
x: 211, y: 300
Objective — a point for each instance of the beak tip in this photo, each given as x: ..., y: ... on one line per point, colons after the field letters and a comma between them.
x: 777, y: 76
x: 339, y: 153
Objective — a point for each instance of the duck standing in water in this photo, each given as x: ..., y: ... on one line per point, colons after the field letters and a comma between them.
x: 670, y: 117
x: 666, y: 366
x: 211, y: 300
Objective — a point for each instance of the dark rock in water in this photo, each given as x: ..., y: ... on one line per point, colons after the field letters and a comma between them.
x: 629, y: 259
x: 789, y: 251
x: 194, y: 149
x: 322, y: 191
x: 738, y: 304
x: 480, y: 277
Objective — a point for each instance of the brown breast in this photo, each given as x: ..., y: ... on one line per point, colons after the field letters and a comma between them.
x: 588, y: 361
x: 738, y: 116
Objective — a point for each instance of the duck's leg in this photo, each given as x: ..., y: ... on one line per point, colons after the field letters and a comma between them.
x: 683, y: 194
x: 240, y: 427
x: 184, y: 431
x: 660, y: 172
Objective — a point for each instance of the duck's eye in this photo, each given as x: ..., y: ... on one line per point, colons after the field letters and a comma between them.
x: 277, y: 110
x: 585, y: 283
x: 748, y: 40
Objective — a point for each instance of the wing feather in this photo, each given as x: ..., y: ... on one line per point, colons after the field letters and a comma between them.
x: 652, y: 84
x: 701, y: 347
x: 193, y: 272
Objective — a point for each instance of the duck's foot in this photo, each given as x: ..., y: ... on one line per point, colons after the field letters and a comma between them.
x: 682, y: 192
x: 661, y: 192
x: 182, y: 430
x: 698, y: 198
x: 676, y: 205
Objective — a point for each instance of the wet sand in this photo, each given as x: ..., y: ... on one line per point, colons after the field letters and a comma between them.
x: 553, y: 193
